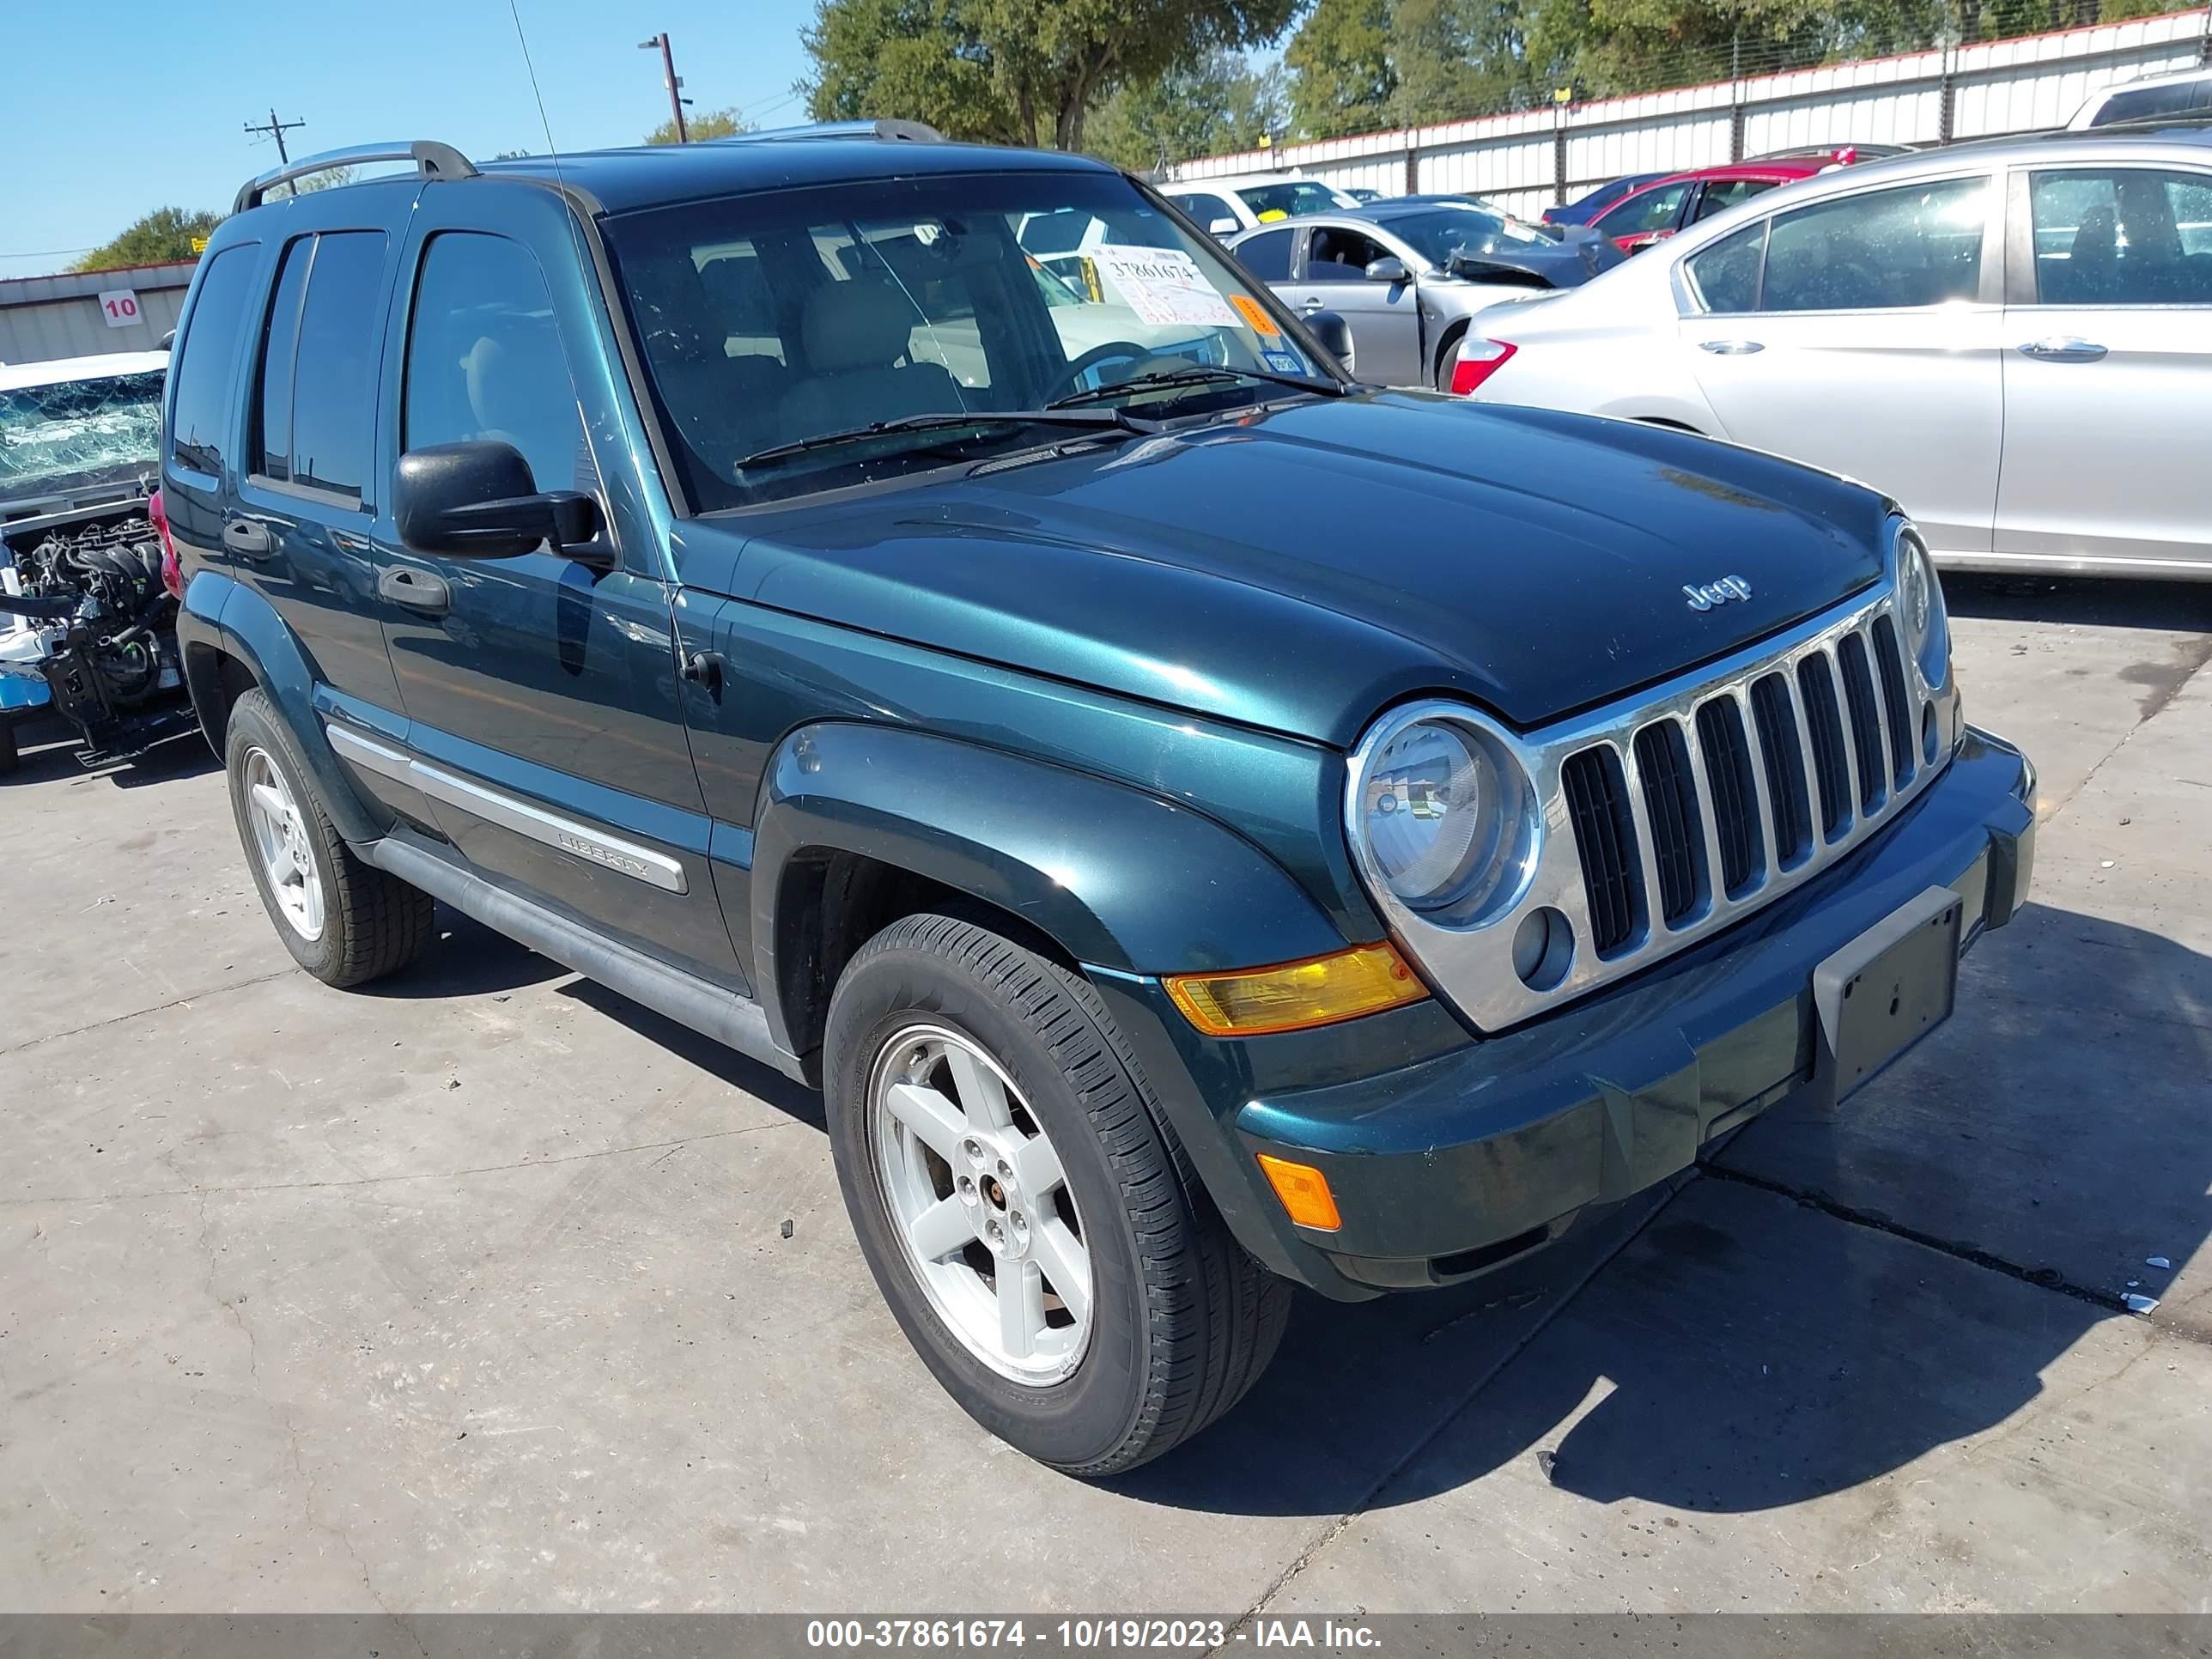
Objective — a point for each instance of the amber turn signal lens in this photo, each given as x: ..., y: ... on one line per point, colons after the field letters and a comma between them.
x: 1304, y: 1192
x: 1294, y: 995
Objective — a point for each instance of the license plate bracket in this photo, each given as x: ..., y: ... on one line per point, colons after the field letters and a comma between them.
x: 1885, y: 990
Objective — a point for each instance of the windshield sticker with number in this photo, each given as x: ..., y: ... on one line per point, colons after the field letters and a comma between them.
x: 1163, y: 285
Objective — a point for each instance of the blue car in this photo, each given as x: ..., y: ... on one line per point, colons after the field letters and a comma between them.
x: 1584, y: 208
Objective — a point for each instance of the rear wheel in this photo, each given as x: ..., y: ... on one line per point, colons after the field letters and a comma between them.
x: 1039, y: 1233
x: 1448, y: 359
x: 345, y: 921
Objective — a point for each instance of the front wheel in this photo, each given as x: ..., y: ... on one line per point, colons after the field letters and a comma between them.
x: 1039, y: 1237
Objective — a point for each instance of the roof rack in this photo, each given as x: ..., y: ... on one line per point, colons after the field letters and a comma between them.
x: 910, y: 133
x: 435, y: 160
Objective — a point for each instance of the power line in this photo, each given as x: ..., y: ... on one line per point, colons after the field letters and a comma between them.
x: 276, y: 130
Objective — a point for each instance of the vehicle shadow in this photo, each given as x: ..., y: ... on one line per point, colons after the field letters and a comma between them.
x: 1748, y: 1349
x: 469, y: 959
x: 2095, y: 601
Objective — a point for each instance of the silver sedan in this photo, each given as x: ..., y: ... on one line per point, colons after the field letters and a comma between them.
x: 2013, y: 338
x: 1407, y: 275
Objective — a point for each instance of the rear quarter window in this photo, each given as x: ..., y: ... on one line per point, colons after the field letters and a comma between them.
x: 207, y: 355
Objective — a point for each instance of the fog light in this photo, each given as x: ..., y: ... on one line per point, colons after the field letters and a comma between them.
x: 1543, y: 946
x: 1304, y: 1193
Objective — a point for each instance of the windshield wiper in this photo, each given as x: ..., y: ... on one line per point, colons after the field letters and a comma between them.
x: 1093, y: 420
x: 1198, y: 374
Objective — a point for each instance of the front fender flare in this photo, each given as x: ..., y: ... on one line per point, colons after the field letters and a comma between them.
x: 220, y: 617
x: 1117, y: 878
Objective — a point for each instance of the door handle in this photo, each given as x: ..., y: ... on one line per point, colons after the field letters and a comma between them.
x: 1731, y: 348
x: 418, y: 590
x: 2062, y: 349
x: 1312, y: 303
x: 248, y: 538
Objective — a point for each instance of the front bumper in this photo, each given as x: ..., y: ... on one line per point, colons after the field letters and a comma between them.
x: 1470, y: 1156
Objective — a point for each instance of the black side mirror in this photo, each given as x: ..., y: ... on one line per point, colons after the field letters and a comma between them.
x: 478, y: 500
x: 1332, y: 334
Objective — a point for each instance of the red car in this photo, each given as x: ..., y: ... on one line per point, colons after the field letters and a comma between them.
x: 1680, y: 200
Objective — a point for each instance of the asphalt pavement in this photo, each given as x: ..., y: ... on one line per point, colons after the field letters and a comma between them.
x: 470, y: 1290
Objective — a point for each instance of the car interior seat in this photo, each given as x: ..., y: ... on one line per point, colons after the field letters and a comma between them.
x: 856, y: 338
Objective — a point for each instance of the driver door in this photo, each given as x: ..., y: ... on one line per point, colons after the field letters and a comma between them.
x: 1331, y: 275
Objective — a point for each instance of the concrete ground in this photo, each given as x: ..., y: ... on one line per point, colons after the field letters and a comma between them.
x: 470, y: 1291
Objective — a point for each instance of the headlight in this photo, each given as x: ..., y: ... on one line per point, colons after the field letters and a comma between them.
x: 1920, y: 609
x: 1446, y: 814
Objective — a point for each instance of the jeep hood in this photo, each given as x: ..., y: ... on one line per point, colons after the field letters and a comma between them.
x: 1298, y: 569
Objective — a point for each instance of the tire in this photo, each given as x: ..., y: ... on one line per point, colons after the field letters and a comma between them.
x: 1448, y: 359
x: 1180, y: 1322
x: 345, y: 921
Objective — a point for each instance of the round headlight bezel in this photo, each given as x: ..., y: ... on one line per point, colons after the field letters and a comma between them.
x: 1502, y: 852
x: 1921, y: 619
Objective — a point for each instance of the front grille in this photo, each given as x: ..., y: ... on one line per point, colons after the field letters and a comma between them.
x: 1670, y: 800
x: 1814, y: 759
x: 1605, y: 831
x: 1865, y: 721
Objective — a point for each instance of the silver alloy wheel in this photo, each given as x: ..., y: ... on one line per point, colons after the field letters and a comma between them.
x: 980, y: 1205
x: 280, y: 839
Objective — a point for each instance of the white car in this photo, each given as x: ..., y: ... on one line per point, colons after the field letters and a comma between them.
x: 2186, y: 94
x: 2014, y: 339
x: 1224, y: 207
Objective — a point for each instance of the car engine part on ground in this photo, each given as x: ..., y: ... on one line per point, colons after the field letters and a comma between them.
x: 82, y: 608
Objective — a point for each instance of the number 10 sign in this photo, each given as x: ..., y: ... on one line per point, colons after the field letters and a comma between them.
x: 120, y: 307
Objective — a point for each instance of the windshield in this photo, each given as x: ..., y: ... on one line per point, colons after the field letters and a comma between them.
x: 76, y: 432
x: 768, y: 319
x: 1292, y: 198
x: 1435, y: 236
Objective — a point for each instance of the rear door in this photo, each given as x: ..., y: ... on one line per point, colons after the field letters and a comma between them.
x: 1385, y: 317
x: 542, y: 691
x: 1860, y: 334
x: 2108, y: 369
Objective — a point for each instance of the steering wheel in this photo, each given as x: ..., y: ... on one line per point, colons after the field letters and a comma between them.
x: 1141, y: 361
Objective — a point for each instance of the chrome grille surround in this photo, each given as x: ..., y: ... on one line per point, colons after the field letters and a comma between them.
x: 1471, y: 963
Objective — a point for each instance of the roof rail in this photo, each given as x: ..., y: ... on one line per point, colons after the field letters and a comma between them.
x: 435, y: 160
x: 911, y: 133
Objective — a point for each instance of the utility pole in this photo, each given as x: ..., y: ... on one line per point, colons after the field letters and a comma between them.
x: 276, y: 130
x: 676, y: 100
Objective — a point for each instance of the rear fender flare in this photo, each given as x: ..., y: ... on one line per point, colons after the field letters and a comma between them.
x: 222, y: 618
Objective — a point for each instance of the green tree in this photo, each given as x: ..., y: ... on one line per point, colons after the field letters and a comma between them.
x: 163, y: 237
x: 1218, y: 103
x: 1342, y: 78
x: 724, y: 122
x: 1031, y: 71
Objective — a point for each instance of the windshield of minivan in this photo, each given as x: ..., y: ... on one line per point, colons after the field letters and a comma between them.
x: 79, y: 432
x: 770, y: 320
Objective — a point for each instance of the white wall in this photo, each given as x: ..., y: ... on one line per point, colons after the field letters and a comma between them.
x: 1997, y: 86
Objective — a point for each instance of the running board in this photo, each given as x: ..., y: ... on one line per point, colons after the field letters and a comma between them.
x: 734, y: 1021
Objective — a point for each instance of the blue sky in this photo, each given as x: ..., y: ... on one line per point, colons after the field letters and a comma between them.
x: 140, y: 105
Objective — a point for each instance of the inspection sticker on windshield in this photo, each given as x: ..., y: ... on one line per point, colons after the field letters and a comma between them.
x: 1282, y: 362
x: 1162, y: 285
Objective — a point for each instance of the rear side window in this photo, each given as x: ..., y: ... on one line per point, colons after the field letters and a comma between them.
x: 208, y: 353
x: 272, y: 439
x: 1267, y: 256
x: 328, y: 384
x: 484, y: 357
x: 2122, y: 236
x: 1916, y: 246
x: 1720, y: 198
x: 1725, y: 276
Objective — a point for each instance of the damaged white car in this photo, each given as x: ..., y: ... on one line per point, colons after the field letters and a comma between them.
x: 88, y: 604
